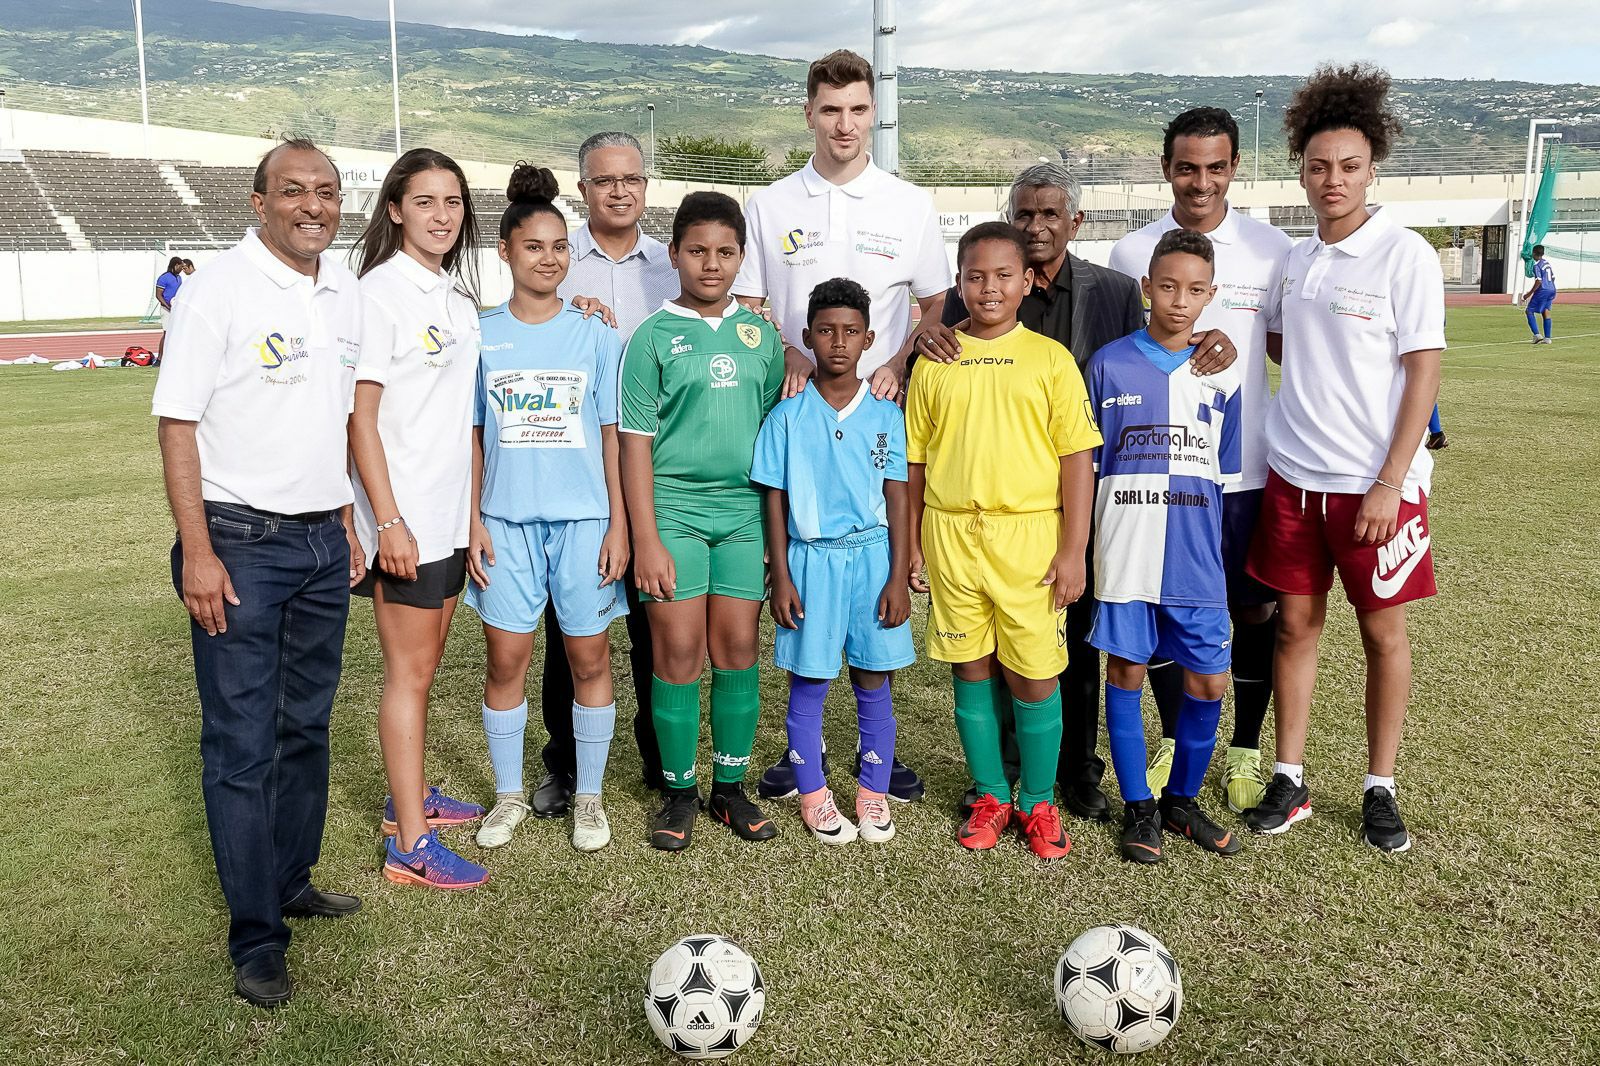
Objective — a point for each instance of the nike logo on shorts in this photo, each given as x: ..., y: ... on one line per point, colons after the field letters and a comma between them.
x: 1400, y: 556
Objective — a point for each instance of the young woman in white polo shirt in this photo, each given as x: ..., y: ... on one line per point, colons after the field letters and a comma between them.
x: 411, y: 440
x: 1347, y: 492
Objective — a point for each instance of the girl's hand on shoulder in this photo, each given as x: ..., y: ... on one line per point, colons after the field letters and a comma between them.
x: 591, y: 306
x: 480, y: 553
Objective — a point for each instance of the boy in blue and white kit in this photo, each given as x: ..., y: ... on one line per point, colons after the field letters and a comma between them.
x: 1171, y: 443
x: 834, y: 461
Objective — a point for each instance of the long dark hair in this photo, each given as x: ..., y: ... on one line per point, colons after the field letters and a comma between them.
x: 382, y: 237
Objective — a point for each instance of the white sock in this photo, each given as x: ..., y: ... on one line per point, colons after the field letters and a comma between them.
x: 1380, y: 782
x: 1294, y: 771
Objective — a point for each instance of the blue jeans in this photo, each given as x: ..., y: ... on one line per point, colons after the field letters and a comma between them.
x: 266, y: 691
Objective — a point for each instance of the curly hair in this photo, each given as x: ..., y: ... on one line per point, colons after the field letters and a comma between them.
x: 1343, y: 98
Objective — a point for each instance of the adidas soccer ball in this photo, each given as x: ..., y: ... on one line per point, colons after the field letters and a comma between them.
x: 1119, y: 989
x: 704, y: 997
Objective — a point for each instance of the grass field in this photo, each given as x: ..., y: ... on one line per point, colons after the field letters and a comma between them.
x: 75, y: 325
x: 1476, y: 947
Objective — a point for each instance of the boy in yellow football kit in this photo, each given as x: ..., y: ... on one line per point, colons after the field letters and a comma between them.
x: 999, y: 447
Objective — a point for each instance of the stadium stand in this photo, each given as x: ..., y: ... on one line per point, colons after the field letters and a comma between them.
x: 26, y: 223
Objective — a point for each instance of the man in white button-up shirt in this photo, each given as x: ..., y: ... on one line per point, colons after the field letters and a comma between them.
x: 254, y: 399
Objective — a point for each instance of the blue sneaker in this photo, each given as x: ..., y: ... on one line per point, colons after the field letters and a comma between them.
x: 778, y: 781
x: 438, y: 808
x: 431, y: 865
x: 904, y: 784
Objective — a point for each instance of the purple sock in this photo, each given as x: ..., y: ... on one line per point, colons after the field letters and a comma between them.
x: 875, y: 713
x: 804, y: 723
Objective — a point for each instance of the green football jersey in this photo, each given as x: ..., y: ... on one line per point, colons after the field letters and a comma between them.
x: 701, y: 392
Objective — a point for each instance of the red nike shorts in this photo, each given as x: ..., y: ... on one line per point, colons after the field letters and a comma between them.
x: 1303, y: 537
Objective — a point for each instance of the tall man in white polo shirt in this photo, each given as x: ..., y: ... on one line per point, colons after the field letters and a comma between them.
x: 616, y: 262
x: 840, y: 216
x: 1199, y: 157
x: 254, y: 398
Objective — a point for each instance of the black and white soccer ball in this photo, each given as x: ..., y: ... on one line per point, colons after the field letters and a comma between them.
x: 1118, y: 988
x: 704, y: 997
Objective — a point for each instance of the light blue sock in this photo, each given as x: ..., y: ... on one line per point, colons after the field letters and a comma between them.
x: 504, y: 730
x: 591, y: 729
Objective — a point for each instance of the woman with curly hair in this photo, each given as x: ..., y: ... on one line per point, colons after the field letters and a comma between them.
x: 1363, y: 330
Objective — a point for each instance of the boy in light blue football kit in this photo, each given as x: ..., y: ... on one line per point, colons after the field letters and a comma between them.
x: 833, y: 460
x: 1540, y: 295
x: 1172, y: 440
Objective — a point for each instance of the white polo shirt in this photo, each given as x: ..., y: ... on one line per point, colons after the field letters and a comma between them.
x: 1249, y: 278
x: 420, y: 342
x: 1350, y: 311
x: 876, y: 230
x: 264, y: 359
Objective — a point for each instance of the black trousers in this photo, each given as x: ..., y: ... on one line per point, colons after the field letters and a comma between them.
x: 1080, y: 690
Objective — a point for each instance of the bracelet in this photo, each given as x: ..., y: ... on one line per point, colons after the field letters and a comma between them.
x: 1385, y: 484
x: 397, y: 520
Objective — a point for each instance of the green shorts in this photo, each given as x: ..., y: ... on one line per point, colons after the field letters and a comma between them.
x: 715, y: 548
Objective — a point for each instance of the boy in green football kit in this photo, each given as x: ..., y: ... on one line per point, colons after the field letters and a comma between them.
x: 697, y: 379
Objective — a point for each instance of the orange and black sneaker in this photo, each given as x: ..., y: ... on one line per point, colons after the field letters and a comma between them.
x: 989, y: 818
x: 1182, y: 815
x: 1046, y: 836
x: 1141, y: 832
x: 730, y: 806
x: 674, y: 823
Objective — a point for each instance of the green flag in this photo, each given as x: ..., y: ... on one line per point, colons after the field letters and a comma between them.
x: 1539, y: 215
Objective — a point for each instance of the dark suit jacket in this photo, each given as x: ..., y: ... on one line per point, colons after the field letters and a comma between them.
x: 1105, y: 305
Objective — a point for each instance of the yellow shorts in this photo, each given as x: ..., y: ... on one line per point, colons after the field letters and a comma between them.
x: 984, y: 572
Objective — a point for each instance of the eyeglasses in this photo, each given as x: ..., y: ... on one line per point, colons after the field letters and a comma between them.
x: 607, y: 182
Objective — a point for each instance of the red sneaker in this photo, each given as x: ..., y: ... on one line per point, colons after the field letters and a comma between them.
x: 988, y: 820
x: 1046, y: 836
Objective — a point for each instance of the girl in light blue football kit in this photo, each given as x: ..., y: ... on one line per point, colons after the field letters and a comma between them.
x: 551, y: 524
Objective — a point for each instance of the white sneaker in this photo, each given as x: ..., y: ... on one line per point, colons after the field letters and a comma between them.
x: 876, y: 824
x: 500, y: 822
x: 590, y: 830
x: 830, y: 827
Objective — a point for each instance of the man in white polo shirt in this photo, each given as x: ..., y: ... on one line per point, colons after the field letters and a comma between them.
x: 1199, y: 157
x: 254, y: 397
x: 629, y: 271
x: 839, y: 216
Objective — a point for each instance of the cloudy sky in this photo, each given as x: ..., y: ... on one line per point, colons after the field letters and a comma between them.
x: 1535, y: 40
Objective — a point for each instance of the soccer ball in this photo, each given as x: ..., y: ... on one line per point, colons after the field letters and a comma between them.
x: 1119, y: 989
x: 704, y: 997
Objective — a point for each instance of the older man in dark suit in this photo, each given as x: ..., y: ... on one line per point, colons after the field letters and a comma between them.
x: 1084, y: 307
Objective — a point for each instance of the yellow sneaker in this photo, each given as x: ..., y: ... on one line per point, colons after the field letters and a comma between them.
x: 1241, y: 778
x: 1160, y: 767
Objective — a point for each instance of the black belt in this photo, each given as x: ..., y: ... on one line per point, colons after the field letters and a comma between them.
x: 306, y: 517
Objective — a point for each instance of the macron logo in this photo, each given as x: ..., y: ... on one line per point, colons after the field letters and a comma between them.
x: 1399, y: 557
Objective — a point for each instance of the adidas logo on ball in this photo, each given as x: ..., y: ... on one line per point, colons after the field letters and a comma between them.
x: 699, y: 1021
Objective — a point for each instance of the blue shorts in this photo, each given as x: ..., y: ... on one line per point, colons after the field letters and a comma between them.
x: 839, y: 583
x: 1196, y: 638
x: 1241, y: 511
x: 537, y: 561
x: 1541, y: 302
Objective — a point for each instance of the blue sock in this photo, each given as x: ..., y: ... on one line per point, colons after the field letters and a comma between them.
x: 591, y: 729
x: 1197, y: 738
x: 1533, y: 323
x: 1435, y: 424
x: 504, y: 730
x: 1125, y: 730
x: 1547, y: 329
x: 804, y: 723
x: 875, y: 714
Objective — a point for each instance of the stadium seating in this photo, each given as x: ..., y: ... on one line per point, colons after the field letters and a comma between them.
x: 26, y: 224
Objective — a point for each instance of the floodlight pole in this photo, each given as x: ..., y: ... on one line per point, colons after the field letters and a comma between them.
x: 1527, y: 182
x: 886, y: 134
x: 652, y: 109
x: 1256, y: 156
x: 144, y: 86
x: 394, y: 77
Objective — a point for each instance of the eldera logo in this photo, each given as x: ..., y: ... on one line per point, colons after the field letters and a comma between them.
x: 1399, y: 557
x: 1126, y: 399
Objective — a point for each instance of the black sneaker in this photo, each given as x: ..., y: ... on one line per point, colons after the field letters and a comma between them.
x: 969, y: 800
x: 778, y: 782
x: 733, y: 809
x: 1141, y: 832
x: 1437, y: 442
x: 1381, y: 826
x: 674, y: 823
x: 315, y: 903
x: 904, y: 784
x: 552, y: 796
x: 1182, y: 815
x: 1284, y: 804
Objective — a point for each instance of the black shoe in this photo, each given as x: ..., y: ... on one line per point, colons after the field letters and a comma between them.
x: 1437, y: 442
x: 1085, y: 800
x: 1141, y: 832
x: 733, y: 809
x: 674, y: 823
x: 553, y: 796
x: 1284, y: 804
x: 1381, y: 826
x: 1182, y: 815
x: 315, y: 903
x: 904, y: 784
x: 263, y: 980
x: 653, y: 779
x: 778, y: 781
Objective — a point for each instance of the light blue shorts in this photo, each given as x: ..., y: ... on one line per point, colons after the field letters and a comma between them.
x: 537, y: 561
x: 1196, y: 638
x: 840, y: 582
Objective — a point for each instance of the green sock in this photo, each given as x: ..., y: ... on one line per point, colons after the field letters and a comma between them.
x: 1009, y: 753
x: 978, y: 726
x: 735, y: 704
x: 676, y: 712
x: 1039, y: 737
